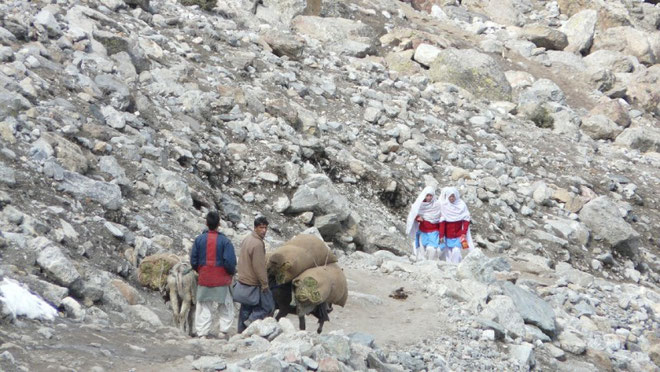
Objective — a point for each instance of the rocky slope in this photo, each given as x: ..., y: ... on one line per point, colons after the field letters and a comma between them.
x: 123, y: 122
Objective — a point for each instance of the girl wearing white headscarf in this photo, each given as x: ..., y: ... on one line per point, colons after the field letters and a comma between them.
x: 455, y: 225
x: 423, y: 224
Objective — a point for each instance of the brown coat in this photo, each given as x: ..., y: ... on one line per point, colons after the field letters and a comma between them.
x: 252, y: 262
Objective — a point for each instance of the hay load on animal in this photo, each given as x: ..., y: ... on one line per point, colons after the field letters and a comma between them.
x: 305, y: 279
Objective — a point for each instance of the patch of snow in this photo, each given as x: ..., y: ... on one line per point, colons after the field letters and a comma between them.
x: 19, y: 301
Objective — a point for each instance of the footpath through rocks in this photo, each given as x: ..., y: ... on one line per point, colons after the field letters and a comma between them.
x: 123, y: 122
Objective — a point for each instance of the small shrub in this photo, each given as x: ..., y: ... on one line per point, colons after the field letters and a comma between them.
x: 207, y: 5
x: 542, y: 118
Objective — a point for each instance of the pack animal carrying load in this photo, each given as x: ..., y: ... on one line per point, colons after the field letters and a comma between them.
x: 322, y: 284
x: 297, y: 255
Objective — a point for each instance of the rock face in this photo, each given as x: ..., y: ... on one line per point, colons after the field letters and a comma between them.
x: 602, y: 216
x: 476, y: 72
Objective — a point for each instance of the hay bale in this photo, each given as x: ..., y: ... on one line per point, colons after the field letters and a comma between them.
x: 322, y: 284
x: 302, y: 252
x: 153, y: 270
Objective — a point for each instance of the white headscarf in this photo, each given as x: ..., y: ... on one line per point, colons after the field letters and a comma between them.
x: 429, y: 211
x: 456, y: 211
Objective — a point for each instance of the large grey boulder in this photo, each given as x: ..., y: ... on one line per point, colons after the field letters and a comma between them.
x: 280, y: 11
x: 506, y: 12
x: 378, y: 238
x: 343, y: 36
x: 532, y: 308
x: 609, y: 60
x: 477, y: 266
x: 476, y: 72
x: 317, y: 194
x: 643, y: 90
x: 600, y: 127
x: 602, y: 216
x: 545, y: 37
x: 58, y: 266
x: 107, y: 194
x: 640, y: 138
x: 579, y: 30
x: 12, y: 103
x: 502, y: 310
x: 47, y: 20
x: 627, y: 40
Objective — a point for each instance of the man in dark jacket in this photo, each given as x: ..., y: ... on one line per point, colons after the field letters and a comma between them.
x: 213, y: 257
x: 252, y: 272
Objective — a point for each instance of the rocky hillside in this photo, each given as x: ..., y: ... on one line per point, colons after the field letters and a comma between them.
x: 123, y: 121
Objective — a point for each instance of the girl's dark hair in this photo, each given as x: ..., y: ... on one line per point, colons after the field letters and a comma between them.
x: 212, y: 220
x: 260, y: 221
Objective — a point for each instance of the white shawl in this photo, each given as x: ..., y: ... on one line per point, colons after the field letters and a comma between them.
x: 429, y: 211
x: 456, y: 211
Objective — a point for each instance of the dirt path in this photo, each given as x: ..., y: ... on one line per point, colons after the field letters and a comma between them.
x: 393, y: 323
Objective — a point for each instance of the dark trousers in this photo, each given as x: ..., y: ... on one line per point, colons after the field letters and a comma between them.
x: 263, y: 309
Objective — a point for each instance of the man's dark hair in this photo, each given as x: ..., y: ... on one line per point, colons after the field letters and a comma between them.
x: 212, y: 220
x: 259, y: 221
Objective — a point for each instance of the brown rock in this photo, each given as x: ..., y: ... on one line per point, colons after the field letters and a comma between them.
x: 545, y: 37
x: 600, y: 359
x: 614, y: 110
x: 130, y: 294
x: 575, y: 204
x: 562, y: 195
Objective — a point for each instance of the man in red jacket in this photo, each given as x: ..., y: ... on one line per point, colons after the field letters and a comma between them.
x: 213, y: 257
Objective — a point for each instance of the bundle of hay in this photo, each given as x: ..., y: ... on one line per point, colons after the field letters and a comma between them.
x: 321, y: 284
x: 153, y: 270
x: 297, y: 255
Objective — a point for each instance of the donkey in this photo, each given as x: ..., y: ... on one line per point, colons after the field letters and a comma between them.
x: 182, y: 288
x: 283, y: 294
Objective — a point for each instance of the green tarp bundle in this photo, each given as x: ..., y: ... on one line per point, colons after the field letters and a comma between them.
x: 297, y: 255
x: 153, y: 270
x: 322, y: 284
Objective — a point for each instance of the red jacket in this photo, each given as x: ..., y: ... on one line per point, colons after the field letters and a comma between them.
x: 454, y: 229
x: 214, y: 259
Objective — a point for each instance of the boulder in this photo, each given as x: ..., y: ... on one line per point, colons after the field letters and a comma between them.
x: 502, y: 310
x: 545, y: 37
x: 640, y: 138
x: 572, y: 342
x: 523, y: 354
x: 58, y: 266
x: 609, y: 60
x: 477, y: 266
x: 318, y: 194
x: 280, y: 11
x: 540, y: 92
x: 425, y: 54
x: 614, y: 110
x: 532, y: 308
x: 642, y: 90
x: 579, y: 31
x: 476, y: 72
x: 600, y: 127
x: 343, y: 36
x: 602, y: 216
x: 107, y: 194
x: 627, y: 40
x: 506, y: 12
